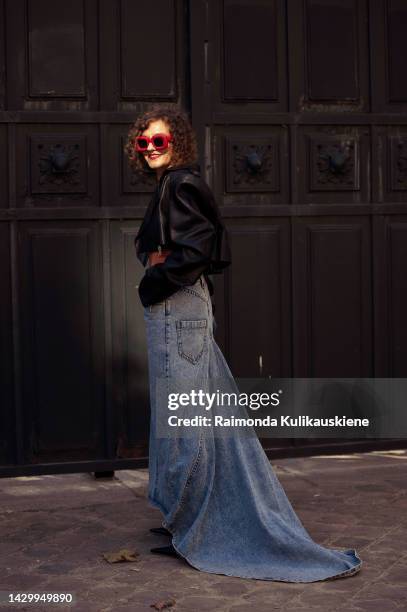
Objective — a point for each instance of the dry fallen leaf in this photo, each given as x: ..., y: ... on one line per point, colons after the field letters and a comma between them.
x: 160, y: 605
x: 124, y: 554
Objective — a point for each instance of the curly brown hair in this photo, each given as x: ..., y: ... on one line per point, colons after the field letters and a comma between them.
x: 184, y: 143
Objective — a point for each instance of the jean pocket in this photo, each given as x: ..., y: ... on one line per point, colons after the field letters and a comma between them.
x: 191, y: 336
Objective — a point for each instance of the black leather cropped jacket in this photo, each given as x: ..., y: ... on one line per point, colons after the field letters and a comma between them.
x: 182, y: 216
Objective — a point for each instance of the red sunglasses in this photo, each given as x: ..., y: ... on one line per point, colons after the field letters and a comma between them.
x: 159, y: 142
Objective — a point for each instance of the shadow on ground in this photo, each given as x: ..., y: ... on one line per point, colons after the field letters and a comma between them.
x: 55, y: 529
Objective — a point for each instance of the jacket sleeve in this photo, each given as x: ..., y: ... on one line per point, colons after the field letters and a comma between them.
x: 192, y: 236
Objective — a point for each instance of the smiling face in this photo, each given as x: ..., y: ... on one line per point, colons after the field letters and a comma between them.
x: 157, y: 160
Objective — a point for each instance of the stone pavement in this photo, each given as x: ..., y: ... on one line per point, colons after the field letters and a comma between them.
x: 54, y: 529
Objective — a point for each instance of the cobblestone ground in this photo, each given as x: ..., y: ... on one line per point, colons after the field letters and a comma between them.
x: 54, y: 530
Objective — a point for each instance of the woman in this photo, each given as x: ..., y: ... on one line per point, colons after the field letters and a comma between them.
x: 222, y: 504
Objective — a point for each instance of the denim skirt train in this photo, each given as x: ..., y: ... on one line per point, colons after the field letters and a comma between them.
x: 219, y: 496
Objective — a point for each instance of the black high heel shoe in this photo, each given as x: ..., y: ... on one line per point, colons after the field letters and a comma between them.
x: 165, y: 550
x: 160, y: 530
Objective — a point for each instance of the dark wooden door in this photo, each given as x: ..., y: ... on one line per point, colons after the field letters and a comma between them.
x: 300, y: 111
x: 74, y: 76
x: 303, y: 113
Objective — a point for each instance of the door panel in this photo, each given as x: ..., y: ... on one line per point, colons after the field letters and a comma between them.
x: 61, y: 322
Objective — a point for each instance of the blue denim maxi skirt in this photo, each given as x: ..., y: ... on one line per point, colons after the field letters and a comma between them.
x: 219, y: 496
